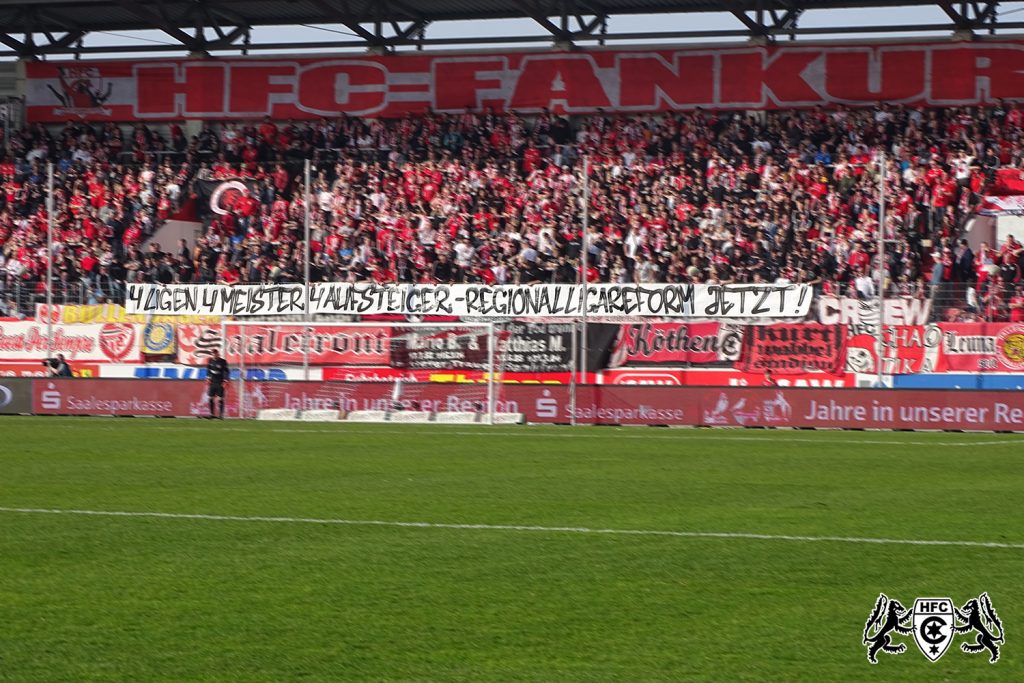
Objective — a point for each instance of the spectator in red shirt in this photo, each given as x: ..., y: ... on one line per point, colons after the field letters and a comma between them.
x: 731, y: 197
x: 1016, y: 304
x: 268, y: 131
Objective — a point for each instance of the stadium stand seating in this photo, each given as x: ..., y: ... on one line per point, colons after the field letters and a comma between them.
x: 483, y: 197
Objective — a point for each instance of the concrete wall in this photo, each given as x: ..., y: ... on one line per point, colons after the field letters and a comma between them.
x: 169, y: 233
x: 9, y: 80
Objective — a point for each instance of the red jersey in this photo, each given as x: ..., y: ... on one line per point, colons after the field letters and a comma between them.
x: 1017, y: 314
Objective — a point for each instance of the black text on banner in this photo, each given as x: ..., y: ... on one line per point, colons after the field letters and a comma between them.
x: 496, y: 302
x: 236, y: 300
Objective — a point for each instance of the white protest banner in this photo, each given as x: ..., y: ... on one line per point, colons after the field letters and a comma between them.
x: 564, y: 301
x: 217, y: 300
x: 486, y: 301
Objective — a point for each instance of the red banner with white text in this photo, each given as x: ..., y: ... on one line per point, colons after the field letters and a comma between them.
x: 671, y: 343
x: 616, y: 80
x: 904, y: 349
x: 795, y: 348
x: 107, y: 343
x: 626, y: 405
x: 275, y: 344
x: 721, y: 378
x: 982, y: 347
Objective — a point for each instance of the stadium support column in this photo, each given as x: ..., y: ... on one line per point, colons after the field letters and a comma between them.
x: 491, y: 379
x: 584, y: 256
x: 880, y: 343
x: 49, y: 259
x: 242, y: 345
x: 573, y: 374
x: 578, y: 359
x: 305, y: 272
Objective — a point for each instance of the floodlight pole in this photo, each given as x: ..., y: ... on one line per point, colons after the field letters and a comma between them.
x: 573, y: 374
x: 305, y: 273
x: 584, y: 256
x: 241, y: 370
x: 881, y: 266
x: 49, y: 259
x: 491, y: 373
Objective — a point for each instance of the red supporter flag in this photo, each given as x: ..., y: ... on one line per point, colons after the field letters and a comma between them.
x: 982, y: 347
x: 795, y: 348
x: 905, y: 349
x: 1007, y: 181
x: 680, y: 344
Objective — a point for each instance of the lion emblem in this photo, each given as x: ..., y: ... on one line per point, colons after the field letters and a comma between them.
x: 979, y: 615
x: 888, y: 615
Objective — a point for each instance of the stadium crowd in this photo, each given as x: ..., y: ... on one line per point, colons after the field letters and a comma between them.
x: 494, y: 198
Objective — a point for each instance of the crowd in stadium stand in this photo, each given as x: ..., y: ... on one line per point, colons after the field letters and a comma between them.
x: 494, y: 198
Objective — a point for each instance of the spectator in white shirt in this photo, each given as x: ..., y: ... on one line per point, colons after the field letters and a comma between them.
x: 865, y: 285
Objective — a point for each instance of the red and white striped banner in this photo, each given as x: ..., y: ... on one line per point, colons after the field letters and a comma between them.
x: 616, y: 80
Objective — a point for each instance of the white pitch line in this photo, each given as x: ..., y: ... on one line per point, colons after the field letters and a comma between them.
x: 520, y: 527
x: 715, y: 434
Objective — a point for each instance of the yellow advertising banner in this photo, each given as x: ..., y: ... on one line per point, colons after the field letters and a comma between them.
x: 70, y: 314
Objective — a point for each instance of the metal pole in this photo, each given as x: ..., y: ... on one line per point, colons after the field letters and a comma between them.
x: 241, y: 370
x: 490, y: 373
x: 881, y: 266
x: 572, y: 375
x: 227, y: 380
x: 49, y: 259
x: 584, y: 256
x: 305, y: 276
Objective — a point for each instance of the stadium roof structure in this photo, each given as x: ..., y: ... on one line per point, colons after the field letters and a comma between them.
x: 36, y: 28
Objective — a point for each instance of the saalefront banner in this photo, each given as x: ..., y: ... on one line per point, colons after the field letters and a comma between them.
x: 289, y: 344
x: 615, y: 80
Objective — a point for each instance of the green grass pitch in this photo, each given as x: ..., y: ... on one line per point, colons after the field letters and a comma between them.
x: 142, y: 598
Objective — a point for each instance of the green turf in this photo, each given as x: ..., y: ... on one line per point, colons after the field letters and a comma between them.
x: 90, y: 598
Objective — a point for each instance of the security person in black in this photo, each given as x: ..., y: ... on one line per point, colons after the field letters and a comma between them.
x: 216, y: 377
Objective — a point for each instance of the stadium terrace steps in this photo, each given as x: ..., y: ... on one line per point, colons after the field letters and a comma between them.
x: 509, y: 418
x: 367, y: 416
x: 456, y: 417
x: 277, y: 414
x: 321, y: 415
x: 410, y: 416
